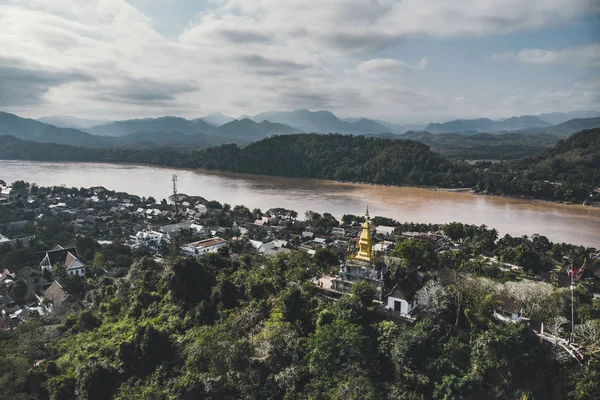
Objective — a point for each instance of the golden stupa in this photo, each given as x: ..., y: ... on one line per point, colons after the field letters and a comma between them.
x: 365, y: 246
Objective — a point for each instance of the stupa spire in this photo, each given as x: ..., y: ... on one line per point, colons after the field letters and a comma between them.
x: 365, y: 245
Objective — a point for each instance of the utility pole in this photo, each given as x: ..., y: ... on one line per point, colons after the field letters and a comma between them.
x: 175, y: 198
x: 572, y: 307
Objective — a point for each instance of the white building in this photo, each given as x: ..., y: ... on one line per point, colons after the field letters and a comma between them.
x: 5, y: 192
x: 173, y: 230
x: 509, y: 311
x: 198, y: 249
x: 66, y: 256
x: 148, y: 238
x: 403, y: 299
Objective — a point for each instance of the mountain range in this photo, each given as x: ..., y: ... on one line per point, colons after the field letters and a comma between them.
x: 455, y: 139
x: 310, y: 121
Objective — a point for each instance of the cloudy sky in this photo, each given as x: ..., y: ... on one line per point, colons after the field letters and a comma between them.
x: 400, y: 60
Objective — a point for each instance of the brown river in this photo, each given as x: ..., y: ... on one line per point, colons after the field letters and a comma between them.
x: 560, y: 223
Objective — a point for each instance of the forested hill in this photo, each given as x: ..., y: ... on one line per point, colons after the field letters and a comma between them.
x: 575, y: 160
x: 340, y: 157
x: 568, y: 172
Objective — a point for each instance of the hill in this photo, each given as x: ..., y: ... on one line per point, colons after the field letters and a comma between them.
x: 570, y: 171
x: 218, y: 119
x: 484, y: 146
x: 486, y: 125
x: 567, y: 128
x: 340, y: 157
x: 560, y: 117
x: 321, y: 122
x: 66, y: 121
x: 248, y: 130
x: 163, y: 124
x: 25, y: 128
x: 574, y: 160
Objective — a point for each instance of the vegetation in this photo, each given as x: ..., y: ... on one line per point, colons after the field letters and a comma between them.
x: 254, y: 327
x: 221, y: 329
x: 567, y: 172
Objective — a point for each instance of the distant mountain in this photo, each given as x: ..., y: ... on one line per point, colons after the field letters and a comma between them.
x: 486, y: 125
x: 25, y: 128
x: 65, y: 121
x: 560, y: 117
x: 395, y: 128
x: 246, y: 129
x: 163, y: 124
x: 484, y: 146
x: 565, y: 129
x: 218, y: 119
x: 321, y: 122
x: 171, y: 139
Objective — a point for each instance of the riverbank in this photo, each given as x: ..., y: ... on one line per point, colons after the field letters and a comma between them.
x: 560, y: 222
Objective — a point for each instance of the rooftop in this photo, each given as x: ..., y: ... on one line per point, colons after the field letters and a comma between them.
x: 206, y: 243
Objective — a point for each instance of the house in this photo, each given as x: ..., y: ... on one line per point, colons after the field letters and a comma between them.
x: 338, y: 231
x: 55, y: 295
x: 197, y: 249
x: 4, y: 240
x: 173, y: 230
x: 384, y: 230
x: 148, y: 238
x: 262, y: 221
x: 67, y: 256
x: 307, y: 235
x: 6, y: 192
x: 402, y: 299
x: 509, y: 310
x: 15, y: 228
x: 6, y: 278
x: 262, y: 247
x: 383, y: 246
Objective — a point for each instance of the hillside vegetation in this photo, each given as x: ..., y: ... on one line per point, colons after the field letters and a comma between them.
x: 567, y: 172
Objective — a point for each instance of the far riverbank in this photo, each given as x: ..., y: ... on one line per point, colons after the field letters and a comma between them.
x: 559, y: 222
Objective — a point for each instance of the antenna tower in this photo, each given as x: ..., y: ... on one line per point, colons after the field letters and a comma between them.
x: 175, y: 198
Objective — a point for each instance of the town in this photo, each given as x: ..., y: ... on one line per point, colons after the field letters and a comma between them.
x: 55, y: 240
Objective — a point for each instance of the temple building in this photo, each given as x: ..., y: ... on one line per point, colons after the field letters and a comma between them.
x: 360, y: 266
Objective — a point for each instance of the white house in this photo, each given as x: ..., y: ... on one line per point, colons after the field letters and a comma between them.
x: 384, y: 230
x: 198, y: 249
x: 66, y: 256
x: 148, y: 238
x: 403, y: 299
x: 172, y: 230
x: 509, y: 311
x: 5, y: 192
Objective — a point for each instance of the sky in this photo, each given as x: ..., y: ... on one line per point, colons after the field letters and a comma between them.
x: 399, y: 60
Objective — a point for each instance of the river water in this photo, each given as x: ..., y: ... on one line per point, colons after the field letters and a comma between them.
x: 560, y: 223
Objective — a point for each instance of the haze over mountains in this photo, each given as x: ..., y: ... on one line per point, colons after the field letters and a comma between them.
x: 509, y: 138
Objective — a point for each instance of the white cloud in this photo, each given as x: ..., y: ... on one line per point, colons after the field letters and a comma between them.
x: 389, y: 65
x: 580, y: 56
x: 103, y: 58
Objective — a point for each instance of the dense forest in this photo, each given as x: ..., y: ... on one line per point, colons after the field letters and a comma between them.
x: 242, y: 325
x: 567, y: 172
x: 254, y: 328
